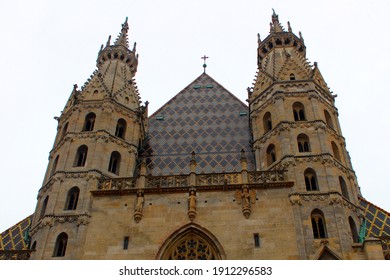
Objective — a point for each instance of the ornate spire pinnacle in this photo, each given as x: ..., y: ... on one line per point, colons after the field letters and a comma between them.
x: 122, y: 37
x: 289, y: 27
x: 275, y: 25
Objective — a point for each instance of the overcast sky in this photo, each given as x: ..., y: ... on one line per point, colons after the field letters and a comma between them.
x: 47, y: 46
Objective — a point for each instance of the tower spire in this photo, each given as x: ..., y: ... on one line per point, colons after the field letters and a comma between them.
x: 122, y: 37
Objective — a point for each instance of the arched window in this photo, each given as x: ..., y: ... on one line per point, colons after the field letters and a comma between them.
x: 60, y: 247
x: 89, y: 122
x: 343, y: 187
x: 271, y: 154
x: 64, y: 130
x: 267, y: 122
x: 354, y: 232
x: 318, y: 224
x: 115, y: 161
x: 72, y: 198
x: 336, y: 152
x: 299, y: 111
x: 311, y: 180
x: 292, y: 77
x: 328, y: 119
x: 54, y: 167
x: 120, y: 130
x: 81, y: 156
x: 43, y: 208
x: 303, y: 143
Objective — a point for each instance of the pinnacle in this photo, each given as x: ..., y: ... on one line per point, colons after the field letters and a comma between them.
x: 275, y: 25
x: 122, y: 39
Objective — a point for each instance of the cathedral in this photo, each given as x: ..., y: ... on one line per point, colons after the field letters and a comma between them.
x: 206, y: 176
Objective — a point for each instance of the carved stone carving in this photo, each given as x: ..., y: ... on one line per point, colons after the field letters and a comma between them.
x: 192, y: 205
x: 246, y: 198
x: 295, y: 199
x: 139, y: 206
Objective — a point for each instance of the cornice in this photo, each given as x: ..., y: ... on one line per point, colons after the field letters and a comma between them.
x: 50, y: 220
x: 271, y: 94
x: 100, y: 134
x: 287, y: 125
x: 60, y: 176
x: 331, y: 198
x: 324, y: 158
x: 99, y: 104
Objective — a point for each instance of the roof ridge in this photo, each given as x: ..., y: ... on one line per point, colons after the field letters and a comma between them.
x: 369, y: 202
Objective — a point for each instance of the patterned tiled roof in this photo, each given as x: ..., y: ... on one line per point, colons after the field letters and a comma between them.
x: 205, y: 118
x: 13, y: 238
x: 377, y: 219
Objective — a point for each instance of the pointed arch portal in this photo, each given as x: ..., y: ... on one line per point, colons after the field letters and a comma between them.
x: 191, y: 242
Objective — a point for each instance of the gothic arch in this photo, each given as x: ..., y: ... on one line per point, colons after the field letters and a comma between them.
x: 191, y: 242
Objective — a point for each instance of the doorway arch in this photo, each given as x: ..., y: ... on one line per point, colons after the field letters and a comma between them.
x: 191, y: 242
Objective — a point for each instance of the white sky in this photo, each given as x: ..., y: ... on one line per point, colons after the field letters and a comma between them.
x: 47, y: 46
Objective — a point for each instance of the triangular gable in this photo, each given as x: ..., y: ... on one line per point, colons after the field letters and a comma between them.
x: 206, y: 118
x: 326, y: 253
x: 198, y: 80
x: 294, y: 65
x: 319, y: 79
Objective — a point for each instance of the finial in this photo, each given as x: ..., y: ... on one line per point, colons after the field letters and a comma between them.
x: 193, y: 155
x: 204, y: 63
x: 134, y: 46
x: 108, y: 41
x: 289, y: 27
x: 300, y: 36
x: 243, y: 154
x: 275, y: 17
x: 122, y: 37
x: 258, y: 38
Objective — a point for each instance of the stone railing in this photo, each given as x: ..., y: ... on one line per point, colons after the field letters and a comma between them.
x: 266, y: 176
x: 218, y: 179
x: 167, y: 181
x: 130, y: 184
x: 116, y: 184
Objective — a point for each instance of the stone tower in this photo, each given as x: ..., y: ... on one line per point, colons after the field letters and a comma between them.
x: 99, y: 132
x: 295, y: 128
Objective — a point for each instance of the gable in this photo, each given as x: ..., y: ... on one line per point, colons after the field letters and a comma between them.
x: 204, y: 118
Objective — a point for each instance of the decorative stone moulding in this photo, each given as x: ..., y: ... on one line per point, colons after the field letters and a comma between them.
x: 332, y: 198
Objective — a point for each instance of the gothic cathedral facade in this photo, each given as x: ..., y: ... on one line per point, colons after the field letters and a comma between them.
x: 206, y: 176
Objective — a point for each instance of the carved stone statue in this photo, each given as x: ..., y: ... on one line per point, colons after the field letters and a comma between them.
x: 192, y: 205
x: 246, y: 198
x: 139, y: 205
